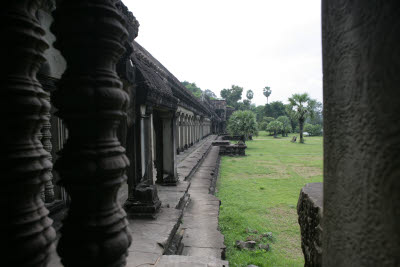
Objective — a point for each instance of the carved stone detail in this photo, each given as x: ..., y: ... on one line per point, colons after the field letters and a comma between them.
x: 92, y: 165
x: 46, y: 142
x: 25, y: 229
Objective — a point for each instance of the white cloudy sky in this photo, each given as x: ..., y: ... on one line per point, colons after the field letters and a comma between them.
x: 253, y: 43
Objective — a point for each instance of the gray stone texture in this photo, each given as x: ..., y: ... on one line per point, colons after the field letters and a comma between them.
x: 309, y: 209
x: 361, y: 66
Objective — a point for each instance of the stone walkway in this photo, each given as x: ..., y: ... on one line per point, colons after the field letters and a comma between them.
x: 200, y: 220
x: 152, y: 238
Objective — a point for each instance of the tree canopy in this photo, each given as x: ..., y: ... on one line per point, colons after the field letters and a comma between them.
x: 286, y: 126
x: 302, y: 106
x: 249, y: 95
x: 275, y: 127
x: 232, y: 95
x: 210, y: 94
x: 267, y: 92
x: 275, y: 109
x: 242, y: 122
x: 192, y: 87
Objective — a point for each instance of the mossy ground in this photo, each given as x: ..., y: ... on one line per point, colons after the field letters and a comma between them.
x: 260, y: 192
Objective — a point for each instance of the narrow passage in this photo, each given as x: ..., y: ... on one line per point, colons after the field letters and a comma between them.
x: 200, y: 221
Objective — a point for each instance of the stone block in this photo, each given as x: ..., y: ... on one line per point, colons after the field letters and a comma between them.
x: 309, y: 210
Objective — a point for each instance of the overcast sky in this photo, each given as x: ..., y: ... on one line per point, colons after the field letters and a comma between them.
x: 253, y: 43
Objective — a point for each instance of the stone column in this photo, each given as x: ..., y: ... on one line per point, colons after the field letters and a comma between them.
x: 177, y: 131
x: 361, y: 66
x: 46, y: 142
x: 159, y: 140
x: 146, y: 202
x: 187, y: 131
x: 169, y: 149
x: 181, y: 133
x: 25, y: 230
x: 191, y: 130
x: 92, y: 163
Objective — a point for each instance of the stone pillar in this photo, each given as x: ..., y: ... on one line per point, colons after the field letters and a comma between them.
x: 177, y: 131
x: 92, y: 163
x: 145, y: 202
x: 361, y: 66
x: 181, y: 133
x: 191, y: 130
x: 169, y: 149
x: 159, y: 140
x: 46, y: 142
x: 26, y: 233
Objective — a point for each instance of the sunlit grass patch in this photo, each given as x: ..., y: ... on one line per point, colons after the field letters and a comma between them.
x: 260, y: 192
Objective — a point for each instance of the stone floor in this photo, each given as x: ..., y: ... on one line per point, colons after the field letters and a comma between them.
x: 151, y: 237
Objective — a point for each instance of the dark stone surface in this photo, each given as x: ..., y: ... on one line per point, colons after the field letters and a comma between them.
x: 233, y: 150
x: 361, y: 66
x: 309, y: 209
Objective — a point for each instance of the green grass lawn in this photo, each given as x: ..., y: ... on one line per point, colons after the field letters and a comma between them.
x: 260, y: 192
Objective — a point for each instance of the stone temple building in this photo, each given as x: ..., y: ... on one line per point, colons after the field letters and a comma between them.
x: 79, y: 93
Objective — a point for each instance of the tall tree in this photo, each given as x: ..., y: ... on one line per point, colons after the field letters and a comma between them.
x: 210, y: 94
x: 275, y: 109
x: 303, y: 107
x: 192, y: 87
x: 291, y: 115
x: 286, y: 127
x: 267, y: 92
x: 232, y: 95
x: 249, y: 95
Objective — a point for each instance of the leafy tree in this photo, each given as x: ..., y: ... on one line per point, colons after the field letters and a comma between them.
x: 275, y: 109
x: 268, y: 119
x: 193, y: 88
x: 232, y: 95
x: 246, y: 104
x: 262, y: 126
x: 210, y: 94
x: 275, y: 126
x: 286, y: 127
x: 242, y: 123
x: 318, y: 117
x: 249, y: 95
x: 303, y: 106
x: 313, y: 130
x: 267, y: 92
x: 290, y: 113
x: 259, y: 110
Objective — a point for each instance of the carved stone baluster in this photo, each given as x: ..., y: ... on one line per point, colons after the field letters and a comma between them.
x: 25, y: 230
x: 46, y: 141
x: 92, y: 165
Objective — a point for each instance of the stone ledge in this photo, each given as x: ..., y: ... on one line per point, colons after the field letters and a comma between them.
x: 309, y: 210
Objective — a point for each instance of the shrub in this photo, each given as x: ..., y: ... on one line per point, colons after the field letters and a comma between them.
x: 243, y: 122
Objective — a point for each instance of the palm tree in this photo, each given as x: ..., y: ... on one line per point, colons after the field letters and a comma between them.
x: 267, y: 92
x: 303, y: 107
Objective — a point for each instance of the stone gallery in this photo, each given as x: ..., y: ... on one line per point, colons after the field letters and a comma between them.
x: 89, y: 111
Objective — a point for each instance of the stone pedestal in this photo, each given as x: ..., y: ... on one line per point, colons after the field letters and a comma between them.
x: 145, y: 202
x: 309, y: 209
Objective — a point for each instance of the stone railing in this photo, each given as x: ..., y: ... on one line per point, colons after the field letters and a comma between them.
x: 309, y: 209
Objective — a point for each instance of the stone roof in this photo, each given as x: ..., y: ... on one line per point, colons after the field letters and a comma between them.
x: 155, y: 77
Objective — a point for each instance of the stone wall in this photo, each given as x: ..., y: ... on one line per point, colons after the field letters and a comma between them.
x: 309, y: 209
x: 361, y: 66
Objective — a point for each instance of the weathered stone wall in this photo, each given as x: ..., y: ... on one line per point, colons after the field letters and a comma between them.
x: 309, y: 209
x: 361, y: 65
x: 233, y: 150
